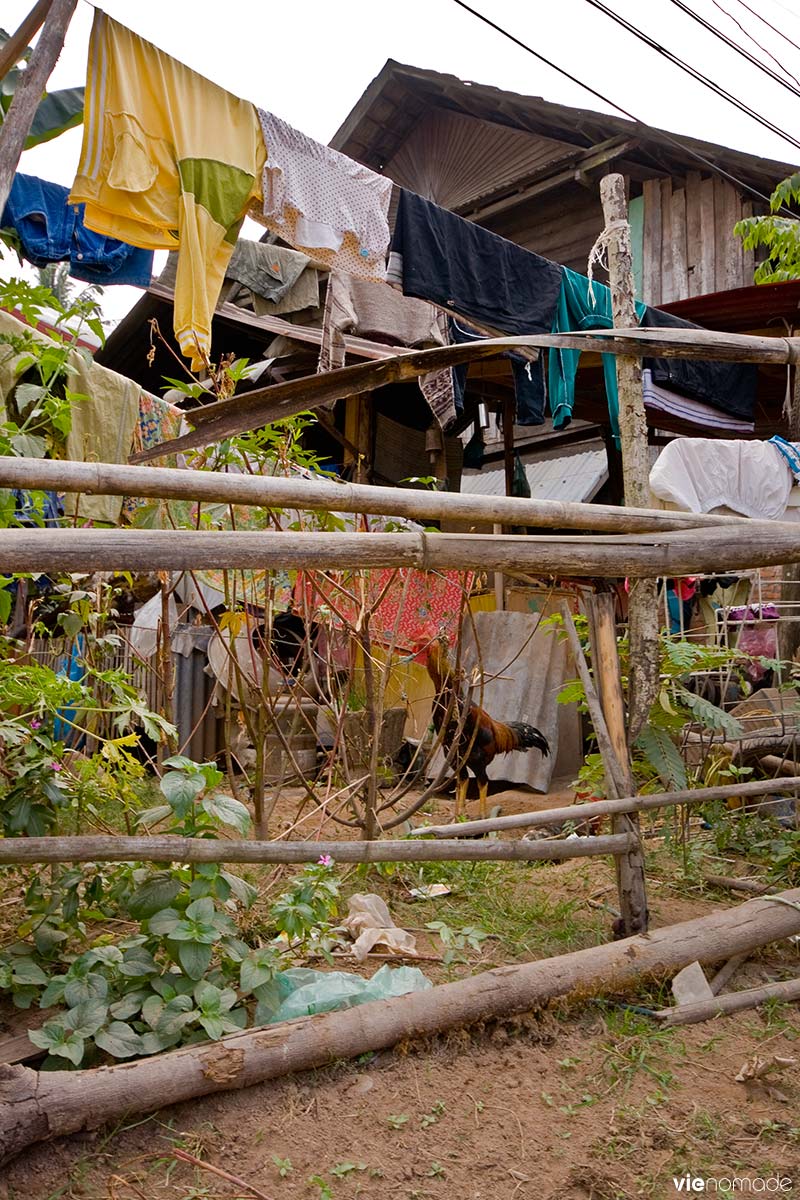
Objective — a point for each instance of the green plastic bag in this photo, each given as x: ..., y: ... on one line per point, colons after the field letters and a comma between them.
x: 303, y: 992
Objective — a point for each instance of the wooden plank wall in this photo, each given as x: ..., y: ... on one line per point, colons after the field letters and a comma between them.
x: 689, y: 245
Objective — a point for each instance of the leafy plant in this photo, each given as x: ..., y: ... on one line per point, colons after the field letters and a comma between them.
x: 283, y: 1166
x: 193, y: 804
x: 777, y: 233
x: 657, y: 761
x: 57, y: 111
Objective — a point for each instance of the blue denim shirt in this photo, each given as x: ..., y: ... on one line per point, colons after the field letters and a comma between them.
x: 51, y: 230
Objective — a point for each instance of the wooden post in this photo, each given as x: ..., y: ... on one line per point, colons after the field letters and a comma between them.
x: 643, y: 610
x: 19, y: 118
x: 789, y: 629
x: 358, y: 434
x: 17, y: 44
x: 630, y: 865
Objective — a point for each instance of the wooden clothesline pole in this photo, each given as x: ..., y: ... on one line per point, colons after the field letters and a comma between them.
x: 263, y: 406
x: 17, y: 44
x: 643, y: 620
x: 695, y: 552
x: 336, y: 495
x: 22, y: 110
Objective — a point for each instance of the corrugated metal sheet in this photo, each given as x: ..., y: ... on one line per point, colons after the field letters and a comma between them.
x: 575, y: 477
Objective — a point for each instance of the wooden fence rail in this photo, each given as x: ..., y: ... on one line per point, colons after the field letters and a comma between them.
x: 335, y: 495
x: 637, y: 556
x: 602, y: 808
x: 168, y: 848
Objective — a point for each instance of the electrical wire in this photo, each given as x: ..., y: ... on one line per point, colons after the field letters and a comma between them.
x: 734, y: 45
x: 642, y: 126
x: 693, y: 72
x: 747, y: 33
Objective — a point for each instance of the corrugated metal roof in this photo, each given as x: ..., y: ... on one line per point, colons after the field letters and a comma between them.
x: 574, y: 477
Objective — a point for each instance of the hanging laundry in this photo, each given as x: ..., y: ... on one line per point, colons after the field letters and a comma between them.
x: 660, y: 400
x: 103, y: 421
x: 280, y: 280
x: 528, y: 378
x: 438, y: 256
x: 158, y: 421
x: 324, y: 203
x: 790, y: 452
x: 580, y: 308
x: 169, y: 161
x: 52, y: 230
x: 372, y: 310
x: 376, y: 312
x: 277, y: 284
x: 704, y: 474
x: 104, y: 412
x: 727, y: 386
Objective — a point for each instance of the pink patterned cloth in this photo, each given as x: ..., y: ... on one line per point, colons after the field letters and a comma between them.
x: 409, y: 606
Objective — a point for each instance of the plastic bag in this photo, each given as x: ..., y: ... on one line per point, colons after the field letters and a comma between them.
x: 302, y: 992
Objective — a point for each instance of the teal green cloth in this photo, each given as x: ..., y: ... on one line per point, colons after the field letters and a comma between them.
x: 574, y: 312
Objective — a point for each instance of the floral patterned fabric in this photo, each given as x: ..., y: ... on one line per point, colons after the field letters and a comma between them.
x: 158, y: 421
x: 409, y: 606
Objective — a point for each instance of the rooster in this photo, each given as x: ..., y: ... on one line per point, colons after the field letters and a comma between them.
x: 480, y: 737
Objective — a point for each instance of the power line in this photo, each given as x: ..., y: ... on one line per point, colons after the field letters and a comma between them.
x: 642, y: 125
x: 755, y: 40
x: 734, y: 45
x: 769, y: 25
x: 693, y: 72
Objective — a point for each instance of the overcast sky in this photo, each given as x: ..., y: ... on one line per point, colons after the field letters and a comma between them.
x: 310, y: 61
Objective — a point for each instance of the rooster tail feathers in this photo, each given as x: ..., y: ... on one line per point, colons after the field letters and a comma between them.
x: 527, y: 737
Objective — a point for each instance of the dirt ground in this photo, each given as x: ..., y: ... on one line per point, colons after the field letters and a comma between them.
x: 588, y: 1103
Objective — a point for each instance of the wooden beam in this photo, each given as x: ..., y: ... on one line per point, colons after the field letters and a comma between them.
x: 643, y: 619
x: 547, y: 180
x: 168, y: 848
x: 336, y: 495
x: 696, y: 552
x: 19, y: 118
x: 707, y: 1010
x: 279, y: 401
x: 578, y: 813
x: 17, y: 44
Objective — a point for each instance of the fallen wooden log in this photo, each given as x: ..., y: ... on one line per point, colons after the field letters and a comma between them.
x: 750, y: 886
x: 168, y: 848
x: 719, y: 1006
x: 781, y: 766
x: 601, y: 808
x: 726, y: 973
x: 35, y: 1106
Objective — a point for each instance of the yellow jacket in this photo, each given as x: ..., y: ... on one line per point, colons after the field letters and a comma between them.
x: 169, y: 161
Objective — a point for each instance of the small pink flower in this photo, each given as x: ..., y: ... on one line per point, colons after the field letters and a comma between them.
x: 55, y: 766
x: 36, y: 723
x: 325, y: 861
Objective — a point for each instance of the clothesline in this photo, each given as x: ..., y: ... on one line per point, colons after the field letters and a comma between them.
x: 152, y: 176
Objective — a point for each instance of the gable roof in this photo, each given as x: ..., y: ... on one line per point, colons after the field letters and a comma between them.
x: 398, y: 97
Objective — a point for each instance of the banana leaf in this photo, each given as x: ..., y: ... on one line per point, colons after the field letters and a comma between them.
x: 58, y: 111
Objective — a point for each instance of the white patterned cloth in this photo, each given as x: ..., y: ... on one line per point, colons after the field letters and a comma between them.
x: 324, y: 203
